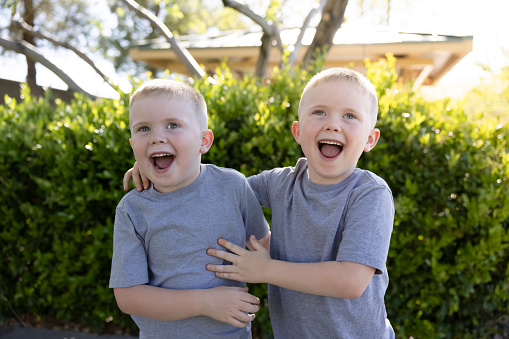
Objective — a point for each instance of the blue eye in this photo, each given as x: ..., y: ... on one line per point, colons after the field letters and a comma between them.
x: 143, y: 129
x: 349, y: 116
x: 173, y: 125
x: 319, y: 113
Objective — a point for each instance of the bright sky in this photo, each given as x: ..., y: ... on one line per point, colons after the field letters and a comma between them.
x: 486, y: 21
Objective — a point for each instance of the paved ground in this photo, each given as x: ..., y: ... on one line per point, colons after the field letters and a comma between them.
x: 15, y: 332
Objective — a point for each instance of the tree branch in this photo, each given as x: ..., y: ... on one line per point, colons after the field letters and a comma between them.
x: 270, y: 33
x: 332, y: 19
x: 298, y: 43
x: 182, y: 53
x: 269, y: 29
x: 20, y: 24
x: 266, y: 27
x: 31, y: 52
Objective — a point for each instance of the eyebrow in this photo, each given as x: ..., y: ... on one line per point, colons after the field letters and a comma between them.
x: 167, y: 120
x: 139, y: 123
x: 348, y: 108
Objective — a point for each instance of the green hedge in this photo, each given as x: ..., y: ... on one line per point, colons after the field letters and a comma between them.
x: 61, y: 169
x: 449, y: 259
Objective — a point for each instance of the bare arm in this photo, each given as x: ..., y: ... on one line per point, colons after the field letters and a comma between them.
x: 232, y: 305
x: 340, y: 279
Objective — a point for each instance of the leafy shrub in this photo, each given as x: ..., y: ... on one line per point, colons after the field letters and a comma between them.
x: 61, y: 169
x: 449, y: 258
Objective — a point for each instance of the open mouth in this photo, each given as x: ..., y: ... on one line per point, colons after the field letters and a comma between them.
x: 162, y: 160
x: 330, y: 149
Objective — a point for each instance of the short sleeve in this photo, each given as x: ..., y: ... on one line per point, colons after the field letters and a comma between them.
x: 259, y: 186
x: 129, y: 263
x: 368, y: 228
x: 253, y: 215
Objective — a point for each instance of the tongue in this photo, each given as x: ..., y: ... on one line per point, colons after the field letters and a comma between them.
x: 330, y: 151
x: 163, y: 162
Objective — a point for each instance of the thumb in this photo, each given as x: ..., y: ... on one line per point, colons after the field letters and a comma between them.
x: 255, y: 244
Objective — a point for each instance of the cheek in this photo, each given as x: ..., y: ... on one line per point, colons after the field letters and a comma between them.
x: 138, y: 149
x: 308, y: 134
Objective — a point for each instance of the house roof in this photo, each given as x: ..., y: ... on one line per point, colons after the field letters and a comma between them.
x: 421, y: 57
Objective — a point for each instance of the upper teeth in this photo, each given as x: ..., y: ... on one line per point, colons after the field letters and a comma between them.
x: 331, y: 143
x: 161, y: 155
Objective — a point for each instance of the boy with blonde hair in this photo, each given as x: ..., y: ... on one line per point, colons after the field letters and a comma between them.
x: 331, y: 222
x: 161, y: 234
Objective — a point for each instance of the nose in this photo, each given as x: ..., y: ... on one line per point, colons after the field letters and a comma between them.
x: 332, y: 125
x: 157, y: 137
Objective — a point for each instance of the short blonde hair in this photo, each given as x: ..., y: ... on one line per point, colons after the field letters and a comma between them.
x: 356, y: 78
x: 172, y: 89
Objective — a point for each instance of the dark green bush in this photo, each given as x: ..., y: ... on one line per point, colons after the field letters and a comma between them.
x: 61, y: 169
x: 449, y: 259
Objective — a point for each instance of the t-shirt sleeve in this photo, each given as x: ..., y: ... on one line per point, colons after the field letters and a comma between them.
x: 253, y: 215
x: 368, y: 227
x: 259, y: 186
x: 129, y: 263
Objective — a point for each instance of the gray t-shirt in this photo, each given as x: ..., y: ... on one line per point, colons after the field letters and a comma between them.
x: 160, y: 239
x: 349, y: 221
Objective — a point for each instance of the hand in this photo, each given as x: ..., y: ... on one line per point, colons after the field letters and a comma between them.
x: 231, y: 305
x: 137, y: 177
x: 248, y: 265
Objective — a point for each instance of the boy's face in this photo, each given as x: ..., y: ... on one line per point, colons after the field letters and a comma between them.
x: 167, y: 141
x: 334, y: 128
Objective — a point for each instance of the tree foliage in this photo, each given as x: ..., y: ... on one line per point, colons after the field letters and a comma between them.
x: 449, y: 175
x: 69, y: 21
x: 182, y: 17
x: 70, y: 24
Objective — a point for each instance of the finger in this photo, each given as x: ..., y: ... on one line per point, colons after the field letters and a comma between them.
x: 223, y: 255
x: 250, y: 308
x: 242, y: 289
x: 222, y: 268
x: 237, y: 323
x: 249, y: 246
x: 229, y: 276
x: 136, y: 178
x: 255, y: 244
x: 127, y: 178
x: 231, y: 246
x: 146, y: 181
x: 251, y: 299
x: 245, y: 317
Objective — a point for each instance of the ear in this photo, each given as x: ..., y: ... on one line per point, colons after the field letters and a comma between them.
x: 131, y: 142
x: 373, y: 137
x: 206, y: 141
x: 296, y: 131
